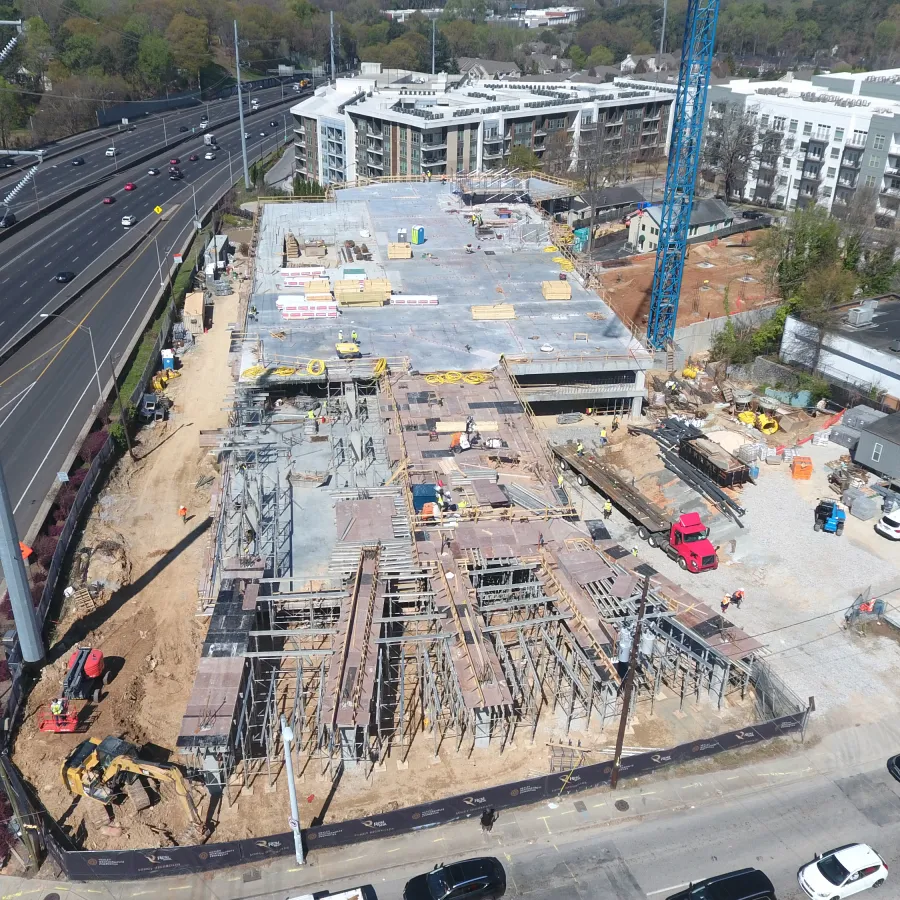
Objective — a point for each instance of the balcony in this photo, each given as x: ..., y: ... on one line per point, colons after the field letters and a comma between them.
x: 435, y: 146
x: 540, y: 133
x: 892, y: 191
x: 373, y: 148
x: 885, y: 210
x: 374, y: 163
x: 494, y: 139
x: 426, y: 163
x: 492, y: 154
x: 859, y: 143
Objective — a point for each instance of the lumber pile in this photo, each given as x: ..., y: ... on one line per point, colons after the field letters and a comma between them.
x: 495, y: 312
x: 362, y: 292
x: 318, y: 291
x: 556, y: 290
x: 291, y: 246
x: 398, y: 250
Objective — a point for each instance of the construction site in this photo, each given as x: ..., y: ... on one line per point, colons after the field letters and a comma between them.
x: 396, y: 562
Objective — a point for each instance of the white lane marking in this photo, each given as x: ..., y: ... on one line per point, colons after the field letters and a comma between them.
x: 20, y: 397
x: 95, y: 243
x: 24, y: 284
x: 76, y: 259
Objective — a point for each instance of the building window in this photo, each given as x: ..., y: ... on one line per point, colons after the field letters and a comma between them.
x: 835, y: 152
x: 764, y: 122
x: 870, y: 181
x: 778, y: 123
x: 831, y: 172
x: 838, y: 134
x: 807, y: 128
x: 877, y: 450
x: 826, y: 191
x: 859, y: 138
x: 782, y: 179
x: 793, y: 126
x: 873, y: 162
x: 788, y: 143
x: 878, y: 143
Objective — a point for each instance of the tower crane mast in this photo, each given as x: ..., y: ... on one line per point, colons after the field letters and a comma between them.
x: 681, y: 175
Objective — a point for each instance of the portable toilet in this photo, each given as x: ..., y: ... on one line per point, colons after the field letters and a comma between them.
x: 168, y: 359
x: 418, y: 234
x: 401, y: 236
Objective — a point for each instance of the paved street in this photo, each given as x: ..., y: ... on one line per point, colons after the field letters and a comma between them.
x: 773, y: 813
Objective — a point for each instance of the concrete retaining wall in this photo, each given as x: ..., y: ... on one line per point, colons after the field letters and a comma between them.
x: 699, y: 337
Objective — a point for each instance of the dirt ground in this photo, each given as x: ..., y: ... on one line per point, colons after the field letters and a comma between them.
x: 708, y: 270
x: 148, y: 628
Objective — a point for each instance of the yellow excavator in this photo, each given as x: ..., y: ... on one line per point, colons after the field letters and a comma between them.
x: 104, y: 770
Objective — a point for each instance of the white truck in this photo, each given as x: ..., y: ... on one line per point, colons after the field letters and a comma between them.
x: 254, y: 105
x: 209, y: 139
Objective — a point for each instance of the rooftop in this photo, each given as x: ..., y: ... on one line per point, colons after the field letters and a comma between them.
x: 703, y: 212
x: 885, y: 326
x: 886, y: 427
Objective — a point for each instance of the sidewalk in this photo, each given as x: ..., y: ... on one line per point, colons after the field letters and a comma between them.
x: 849, y: 752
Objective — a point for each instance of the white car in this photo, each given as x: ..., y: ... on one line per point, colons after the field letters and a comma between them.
x: 111, y: 151
x: 203, y: 126
x: 889, y: 525
x: 210, y: 155
x: 842, y: 872
x: 128, y: 221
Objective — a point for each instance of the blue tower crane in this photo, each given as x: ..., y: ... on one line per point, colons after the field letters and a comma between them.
x: 681, y: 175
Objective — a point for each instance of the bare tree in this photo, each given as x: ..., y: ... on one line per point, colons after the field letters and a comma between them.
x: 731, y: 146
x: 601, y: 162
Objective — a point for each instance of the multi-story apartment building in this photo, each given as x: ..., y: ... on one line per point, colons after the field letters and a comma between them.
x: 405, y: 123
x: 833, y: 140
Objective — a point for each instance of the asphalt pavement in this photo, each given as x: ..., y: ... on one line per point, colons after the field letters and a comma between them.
x: 59, y: 176
x: 48, y: 387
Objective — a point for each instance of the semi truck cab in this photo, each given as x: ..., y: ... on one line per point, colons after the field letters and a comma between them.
x: 689, y: 543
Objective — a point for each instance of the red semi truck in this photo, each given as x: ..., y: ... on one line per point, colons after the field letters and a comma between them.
x: 686, y: 540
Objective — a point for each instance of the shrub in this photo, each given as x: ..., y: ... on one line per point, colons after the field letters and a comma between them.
x: 5, y: 674
x: 76, y: 479
x: 44, y: 547
x: 65, y: 500
x: 92, y: 445
x: 117, y: 431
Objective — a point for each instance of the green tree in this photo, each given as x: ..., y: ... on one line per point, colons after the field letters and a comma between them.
x: 80, y: 53
x: 523, y: 158
x: 155, y: 63
x: 11, y: 114
x: 599, y: 56
x: 38, y: 49
x: 473, y: 10
x: 578, y: 56
x: 188, y: 38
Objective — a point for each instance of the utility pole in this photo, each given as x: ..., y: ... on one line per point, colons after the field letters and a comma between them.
x: 27, y: 627
x: 237, y: 66
x: 662, y: 34
x: 331, y: 32
x: 287, y: 735
x: 433, y: 30
x: 629, y: 687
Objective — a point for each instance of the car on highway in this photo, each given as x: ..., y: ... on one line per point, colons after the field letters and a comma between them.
x: 263, y: 133
x: 6, y: 162
x: 246, y: 135
x: 193, y: 157
x: 482, y: 878
x: 174, y: 161
x: 183, y: 128
x: 78, y: 161
x: 7, y: 220
x: 273, y: 123
x: 130, y: 186
x: 108, y: 200
x: 128, y: 221
x: 111, y: 151
x: 209, y: 155
x: 63, y: 277
x: 742, y: 884
x: 842, y: 872
x: 153, y: 171
x: 177, y: 175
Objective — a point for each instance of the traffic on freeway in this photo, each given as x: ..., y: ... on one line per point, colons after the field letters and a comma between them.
x: 106, y: 158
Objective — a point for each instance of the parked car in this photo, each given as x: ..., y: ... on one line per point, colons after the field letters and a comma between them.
x: 108, y: 200
x: 153, y: 171
x: 889, y: 525
x: 128, y: 221
x: 842, y: 872
x: 742, y: 884
x: 752, y: 214
x: 78, y: 161
x: 130, y: 186
x: 482, y: 878
x: 64, y: 277
x: 893, y: 766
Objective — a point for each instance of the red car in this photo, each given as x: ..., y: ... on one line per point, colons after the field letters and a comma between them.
x: 174, y: 161
x: 193, y: 157
x: 108, y: 200
x: 130, y: 186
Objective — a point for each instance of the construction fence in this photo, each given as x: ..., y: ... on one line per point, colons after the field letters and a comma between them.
x: 120, y: 865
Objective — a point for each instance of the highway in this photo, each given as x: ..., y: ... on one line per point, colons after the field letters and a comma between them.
x: 48, y: 387
x: 58, y: 176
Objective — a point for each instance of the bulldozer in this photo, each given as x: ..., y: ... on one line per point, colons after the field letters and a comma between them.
x: 104, y: 770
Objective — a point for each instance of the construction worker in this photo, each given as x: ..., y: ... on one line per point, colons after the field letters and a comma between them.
x: 615, y: 423
x: 634, y: 552
x: 182, y: 511
x: 579, y: 449
x: 58, y: 710
x: 737, y: 598
x: 354, y: 337
x: 607, y: 509
x: 340, y: 335
x: 726, y: 602
x: 559, y: 480
x: 603, y: 435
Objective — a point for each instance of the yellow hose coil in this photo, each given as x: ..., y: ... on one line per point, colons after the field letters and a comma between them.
x: 477, y: 377
x: 285, y: 371
x: 434, y: 378
x: 380, y: 366
x: 253, y: 372
x: 452, y: 377
x: 315, y: 367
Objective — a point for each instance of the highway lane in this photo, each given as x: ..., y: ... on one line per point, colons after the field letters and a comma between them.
x: 71, y: 238
x: 48, y: 387
x: 59, y: 176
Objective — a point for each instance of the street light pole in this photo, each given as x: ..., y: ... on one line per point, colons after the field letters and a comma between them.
x: 237, y: 66
x: 287, y: 735
x: 159, y: 262
x: 629, y: 687
x: 165, y: 133
x: 93, y: 348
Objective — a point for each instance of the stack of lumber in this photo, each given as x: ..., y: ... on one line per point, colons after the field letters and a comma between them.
x: 365, y: 292
x: 399, y: 251
x: 556, y: 290
x: 318, y: 291
x: 494, y: 312
x: 291, y: 246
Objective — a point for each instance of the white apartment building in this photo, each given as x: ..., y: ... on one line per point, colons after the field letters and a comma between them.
x: 820, y: 141
x: 407, y: 123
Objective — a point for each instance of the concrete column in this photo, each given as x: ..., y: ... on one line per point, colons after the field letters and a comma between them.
x: 482, y: 728
x: 640, y: 384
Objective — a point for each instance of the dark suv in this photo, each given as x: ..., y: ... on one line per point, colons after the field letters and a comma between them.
x: 471, y: 879
x: 744, y: 884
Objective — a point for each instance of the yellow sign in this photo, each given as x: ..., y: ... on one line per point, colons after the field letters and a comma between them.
x: 157, y: 210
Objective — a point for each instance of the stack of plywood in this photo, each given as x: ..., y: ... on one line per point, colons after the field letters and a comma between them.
x: 493, y: 313
x: 291, y: 246
x: 556, y: 290
x: 318, y: 291
x: 399, y: 251
x: 362, y: 292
